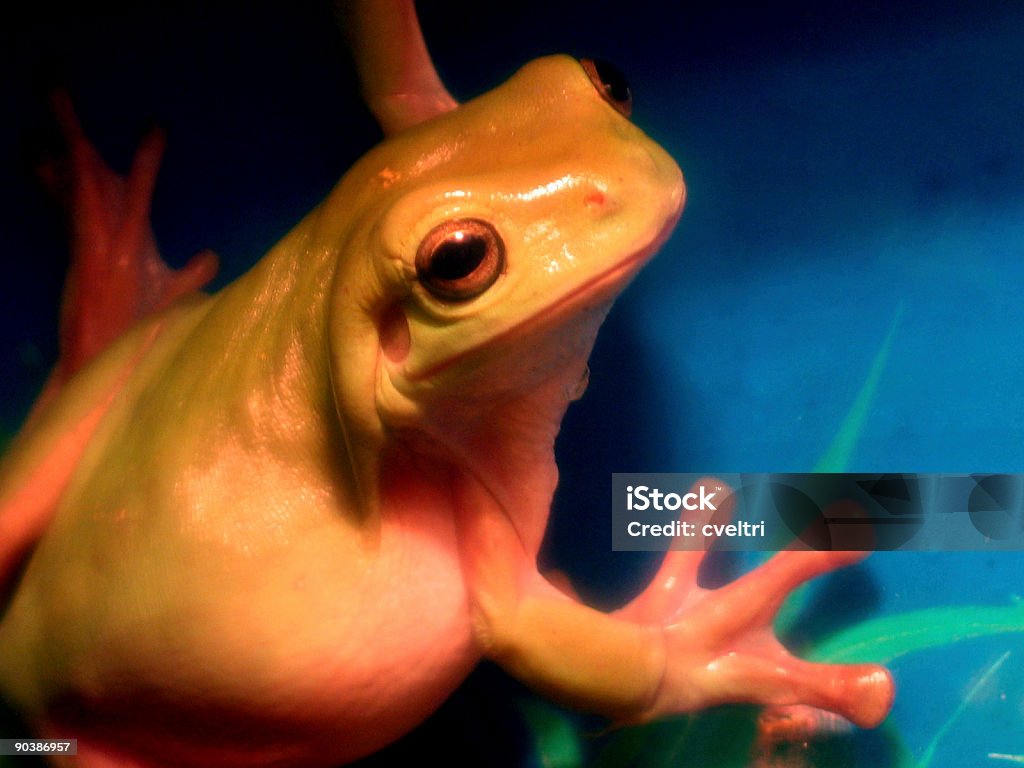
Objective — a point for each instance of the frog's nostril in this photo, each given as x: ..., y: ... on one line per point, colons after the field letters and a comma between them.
x: 599, y: 203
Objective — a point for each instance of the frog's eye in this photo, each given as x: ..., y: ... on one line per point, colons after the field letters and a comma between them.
x: 610, y: 83
x: 460, y: 259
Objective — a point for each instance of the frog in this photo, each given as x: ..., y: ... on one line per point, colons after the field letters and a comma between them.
x: 279, y: 524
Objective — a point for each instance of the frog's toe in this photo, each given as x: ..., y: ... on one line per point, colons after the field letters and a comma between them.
x: 862, y: 693
x: 675, y: 583
x: 755, y: 598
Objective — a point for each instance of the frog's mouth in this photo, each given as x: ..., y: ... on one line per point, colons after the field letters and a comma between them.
x: 592, y: 296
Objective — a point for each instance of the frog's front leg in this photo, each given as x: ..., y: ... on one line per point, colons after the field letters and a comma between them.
x: 673, y: 650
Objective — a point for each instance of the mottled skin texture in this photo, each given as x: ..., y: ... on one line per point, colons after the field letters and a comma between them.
x: 298, y: 512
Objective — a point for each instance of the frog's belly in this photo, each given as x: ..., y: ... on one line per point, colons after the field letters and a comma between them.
x: 310, y: 654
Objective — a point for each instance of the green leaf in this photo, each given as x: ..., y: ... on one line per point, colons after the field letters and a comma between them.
x: 889, y: 637
x: 837, y: 455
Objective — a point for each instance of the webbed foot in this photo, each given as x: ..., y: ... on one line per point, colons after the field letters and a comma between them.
x: 719, y: 644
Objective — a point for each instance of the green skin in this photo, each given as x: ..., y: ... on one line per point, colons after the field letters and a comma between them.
x: 282, y: 523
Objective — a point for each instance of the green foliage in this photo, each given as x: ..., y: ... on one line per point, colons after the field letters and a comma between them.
x: 725, y: 734
x: 887, y: 638
x: 555, y: 737
x: 837, y: 456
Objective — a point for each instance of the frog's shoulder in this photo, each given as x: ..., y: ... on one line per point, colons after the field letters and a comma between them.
x: 40, y: 461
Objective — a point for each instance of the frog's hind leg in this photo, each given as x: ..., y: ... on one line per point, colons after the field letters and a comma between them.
x: 116, y: 276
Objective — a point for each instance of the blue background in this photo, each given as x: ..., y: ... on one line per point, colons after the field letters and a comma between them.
x: 851, y: 172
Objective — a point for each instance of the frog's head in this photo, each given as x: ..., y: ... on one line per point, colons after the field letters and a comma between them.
x: 489, y: 244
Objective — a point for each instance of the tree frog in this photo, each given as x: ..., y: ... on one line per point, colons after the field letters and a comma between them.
x: 279, y: 524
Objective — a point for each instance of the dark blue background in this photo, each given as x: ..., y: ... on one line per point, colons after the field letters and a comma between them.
x: 852, y: 169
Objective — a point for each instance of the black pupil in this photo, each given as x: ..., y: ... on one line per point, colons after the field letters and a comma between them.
x: 457, y: 257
